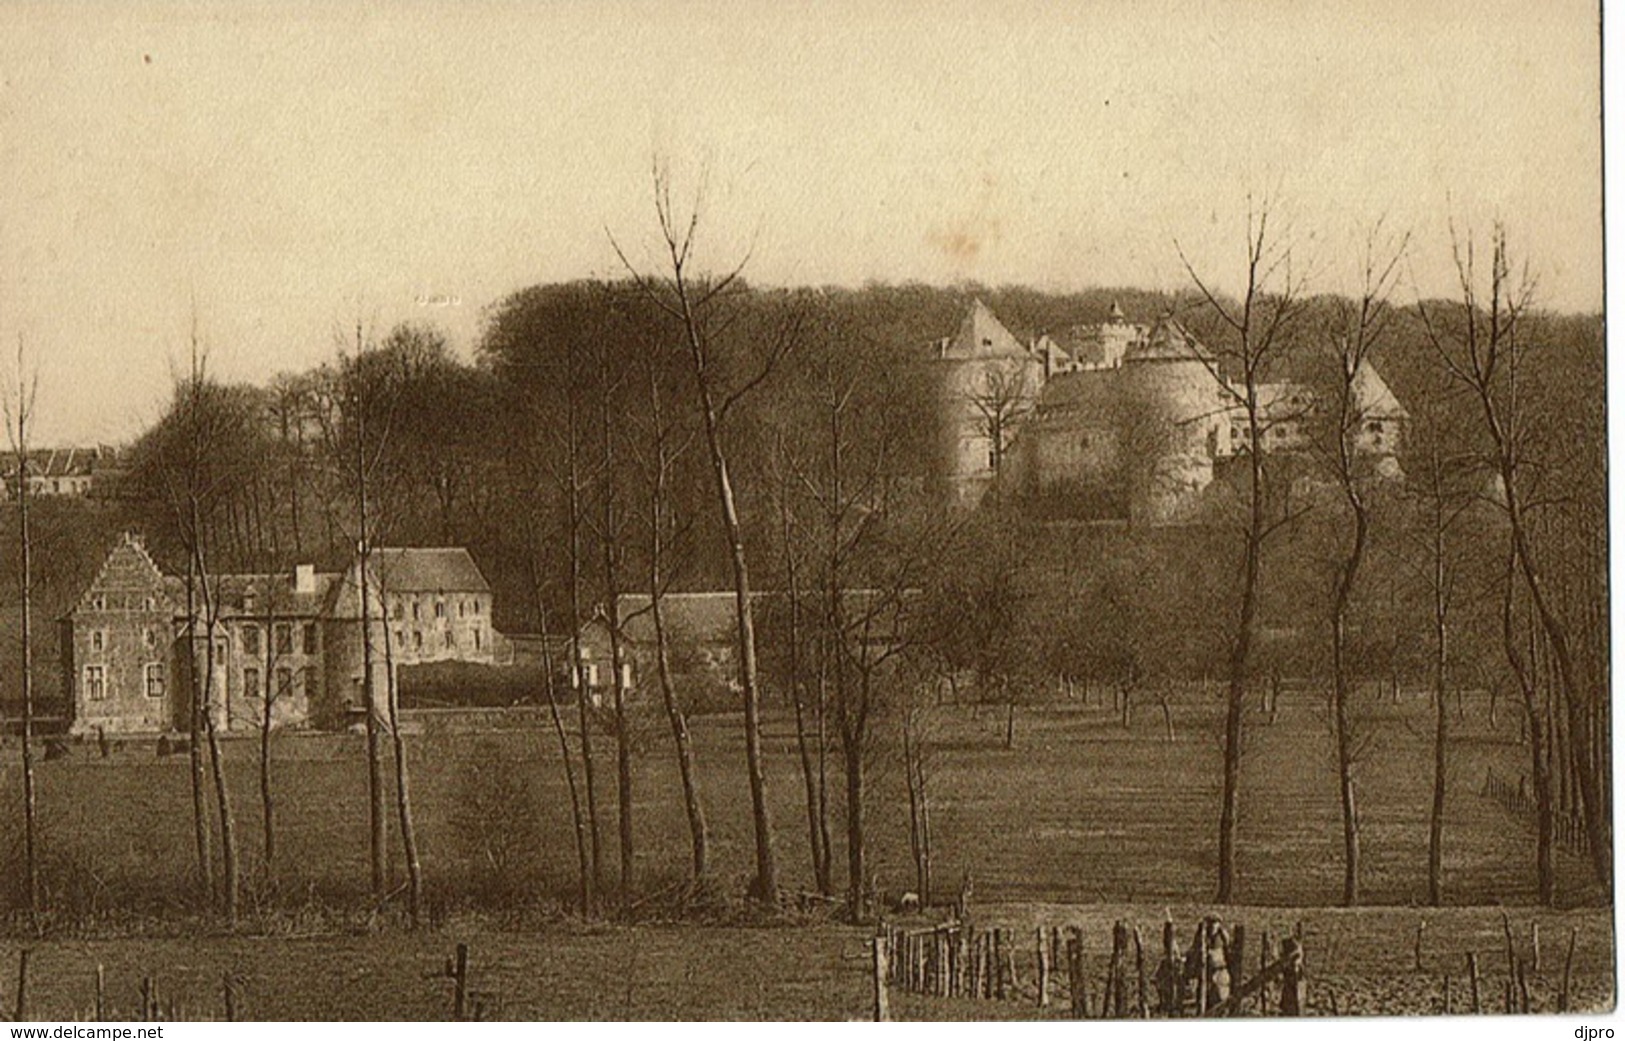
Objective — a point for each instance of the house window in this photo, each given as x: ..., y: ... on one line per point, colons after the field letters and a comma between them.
x: 395, y: 610
x: 284, y: 638
x: 476, y: 607
x: 284, y: 682
x: 312, y: 681
x: 440, y: 609
x: 251, y: 683
x: 417, y: 639
x: 592, y: 675
x: 400, y: 637
x: 248, y: 601
x: 310, y: 637
x: 417, y: 610
x: 155, y: 679
x: 451, y: 639
x: 1374, y: 427
x: 462, y: 608
x: 479, y: 638
x: 98, y: 640
x: 96, y: 682
x: 626, y: 674
x: 251, y: 639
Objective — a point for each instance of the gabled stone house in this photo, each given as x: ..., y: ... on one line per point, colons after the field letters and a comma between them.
x: 295, y: 639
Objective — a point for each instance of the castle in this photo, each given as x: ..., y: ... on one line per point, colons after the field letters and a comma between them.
x: 1129, y: 421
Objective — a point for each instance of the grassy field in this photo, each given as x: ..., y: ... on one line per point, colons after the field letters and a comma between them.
x: 1360, y: 962
x: 1082, y: 821
x: 1079, y: 810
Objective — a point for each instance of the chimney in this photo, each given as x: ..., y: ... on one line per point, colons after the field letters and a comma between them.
x: 304, y: 578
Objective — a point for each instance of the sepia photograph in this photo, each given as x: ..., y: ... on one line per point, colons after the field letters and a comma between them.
x: 712, y: 510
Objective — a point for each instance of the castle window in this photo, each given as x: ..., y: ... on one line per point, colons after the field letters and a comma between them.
x: 98, y: 603
x: 451, y: 639
x: 251, y: 639
x: 395, y: 610
x: 284, y: 682
x: 440, y: 609
x: 154, y: 674
x: 626, y: 674
x: 462, y: 608
x: 417, y: 611
x: 96, y: 682
x: 417, y: 639
x: 312, y: 682
x: 248, y: 601
x: 284, y: 638
x: 476, y: 606
x: 251, y: 683
x: 479, y: 638
x: 310, y: 638
x: 98, y: 640
x: 1373, y: 427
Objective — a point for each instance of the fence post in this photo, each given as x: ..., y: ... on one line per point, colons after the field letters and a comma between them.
x: 1201, y: 967
x: 998, y: 964
x: 1421, y: 927
x: 1171, y: 973
x: 1043, y: 970
x: 101, y: 993
x: 460, y: 996
x: 1292, y: 978
x: 22, y: 985
x: 1139, y: 972
x: 1447, y: 1009
x: 1078, y: 991
x: 1236, y: 960
x: 230, y: 996
x: 1534, y: 946
x: 1472, y: 979
x: 1568, y: 970
x: 877, y: 947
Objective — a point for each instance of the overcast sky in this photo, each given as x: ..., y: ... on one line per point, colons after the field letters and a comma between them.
x: 292, y: 167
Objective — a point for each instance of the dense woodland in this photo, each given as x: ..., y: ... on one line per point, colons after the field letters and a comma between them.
x: 670, y: 432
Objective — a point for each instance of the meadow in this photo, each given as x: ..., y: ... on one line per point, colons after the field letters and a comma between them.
x: 1080, y: 821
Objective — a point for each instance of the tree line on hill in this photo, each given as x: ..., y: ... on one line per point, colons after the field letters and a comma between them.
x: 676, y: 428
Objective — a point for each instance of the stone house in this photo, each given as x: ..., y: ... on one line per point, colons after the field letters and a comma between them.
x: 293, y: 639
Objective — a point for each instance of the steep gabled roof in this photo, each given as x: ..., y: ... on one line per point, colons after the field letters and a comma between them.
x: 1372, y: 396
x: 981, y: 335
x: 449, y: 569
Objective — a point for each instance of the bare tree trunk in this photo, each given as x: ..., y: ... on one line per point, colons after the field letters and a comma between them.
x: 699, y: 836
x: 228, y: 824
x: 403, y: 790
x: 577, y: 819
x: 818, y: 851
x: 267, y: 803
x: 583, y: 692
x: 765, y: 885
x: 25, y: 410
x: 200, y: 815
x: 1545, y: 874
x: 1340, y: 695
x: 1236, y: 698
x: 377, y: 814
x: 1441, y: 717
x: 608, y: 542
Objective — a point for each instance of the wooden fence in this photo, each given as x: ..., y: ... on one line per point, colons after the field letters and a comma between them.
x: 1568, y: 830
x: 1206, y: 978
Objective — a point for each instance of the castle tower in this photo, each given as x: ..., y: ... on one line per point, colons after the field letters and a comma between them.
x: 988, y: 383
x: 1173, y: 405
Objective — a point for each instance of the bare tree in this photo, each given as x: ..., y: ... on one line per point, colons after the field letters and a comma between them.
x: 1003, y: 400
x: 665, y: 444
x: 1481, y: 344
x: 20, y: 417
x: 1253, y: 338
x: 1356, y: 328
x: 695, y: 303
